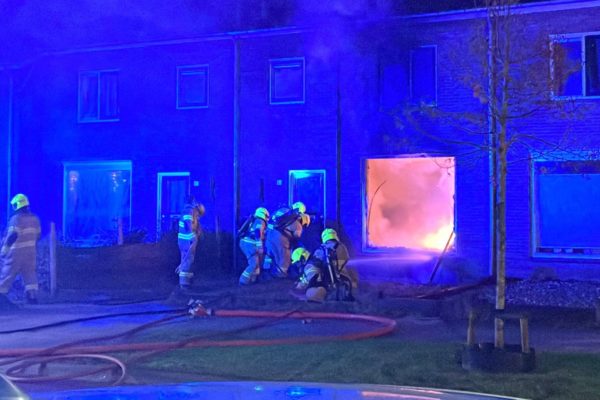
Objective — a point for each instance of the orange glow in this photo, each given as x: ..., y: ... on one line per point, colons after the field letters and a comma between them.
x: 438, y: 240
x: 410, y: 202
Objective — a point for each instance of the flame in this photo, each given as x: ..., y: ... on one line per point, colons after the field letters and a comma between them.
x: 438, y: 240
x: 410, y: 202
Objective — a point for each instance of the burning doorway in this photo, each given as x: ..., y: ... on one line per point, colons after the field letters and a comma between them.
x: 409, y: 203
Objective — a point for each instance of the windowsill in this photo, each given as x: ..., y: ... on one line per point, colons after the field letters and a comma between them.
x: 277, y: 103
x: 567, y: 98
x: 568, y: 255
x: 88, y: 121
x: 191, y: 107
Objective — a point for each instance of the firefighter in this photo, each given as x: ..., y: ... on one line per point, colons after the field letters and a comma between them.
x: 188, y: 237
x: 285, y: 228
x: 298, y: 208
x: 299, y: 258
x: 325, y: 271
x: 252, y: 243
x: 18, y: 253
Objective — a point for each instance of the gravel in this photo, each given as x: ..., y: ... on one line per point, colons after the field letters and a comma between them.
x: 564, y: 294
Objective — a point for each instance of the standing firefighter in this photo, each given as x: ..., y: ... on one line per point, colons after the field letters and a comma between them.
x: 252, y: 242
x: 18, y: 253
x: 286, y: 226
x: 325, y: 271
x: 188, y: 237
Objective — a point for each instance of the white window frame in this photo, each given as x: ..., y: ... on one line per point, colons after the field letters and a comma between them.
x: 97, y: 119
x: 569, y: 37
x: 435, y: 67
x: 191, y: 67
x: 117, y: 164
x: 159, y: 182
x: 556, y: 156
x: 290, y: 60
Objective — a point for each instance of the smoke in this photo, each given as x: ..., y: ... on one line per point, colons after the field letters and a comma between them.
x: 410, y: 202
x: 334, y: 28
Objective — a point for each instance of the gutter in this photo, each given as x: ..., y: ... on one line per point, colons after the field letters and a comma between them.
x: 444, y: 16
x: 480, y: 12
x: 173, y: 42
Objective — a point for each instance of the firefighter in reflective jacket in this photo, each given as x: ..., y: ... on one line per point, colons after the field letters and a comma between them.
x: 325, y: 271
x: 252, y: 243
x: 299, y: 258
x: 18, y: 253
x: 280, y: 233
x: 188, y: 237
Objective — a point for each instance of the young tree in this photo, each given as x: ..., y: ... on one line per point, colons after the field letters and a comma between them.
x: 514, y: 74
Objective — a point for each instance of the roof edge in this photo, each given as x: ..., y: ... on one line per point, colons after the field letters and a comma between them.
x: 525, y: 8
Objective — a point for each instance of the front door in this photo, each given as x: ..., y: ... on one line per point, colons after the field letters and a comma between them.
x: 309, y: 187
x: 173, y: 189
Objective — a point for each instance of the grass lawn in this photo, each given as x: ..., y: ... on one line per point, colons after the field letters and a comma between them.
x: 388, y: 361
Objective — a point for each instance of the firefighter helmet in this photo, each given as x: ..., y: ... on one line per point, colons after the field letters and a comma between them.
x: 329, y: 234
x: 299, y: 254
x: 262, y: 213
x: 200, y: 209
x: 19, y: 201
x: 305, y: 220
x: 299, y: 206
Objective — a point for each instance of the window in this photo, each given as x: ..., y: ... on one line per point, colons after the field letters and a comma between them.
x: 96, y: 202
x: 423, y: 75
x: 566, y: 194
x: 408, y: 203
x: 192, y: 87
x: 575, y: 65
x: 98, y: 96
x: 286, y: 81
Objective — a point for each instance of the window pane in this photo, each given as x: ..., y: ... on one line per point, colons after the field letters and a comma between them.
x: 88, y: 96
x: 423, y: 77
x: 97, y: 200
x: 193, y: 87
x: 568, y: 194
x: 592, y: 61
x: 287, y: 81
x: 567, y: 75
x: 109, y: 95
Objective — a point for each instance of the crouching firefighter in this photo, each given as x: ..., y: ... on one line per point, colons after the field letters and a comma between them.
x: 300, y: 257
x: 188, y: 237
x: 252, y: 243
x: 285, y: 227
x: 324, y: 273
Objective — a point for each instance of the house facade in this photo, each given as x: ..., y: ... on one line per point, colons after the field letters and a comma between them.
x: 112, y: 138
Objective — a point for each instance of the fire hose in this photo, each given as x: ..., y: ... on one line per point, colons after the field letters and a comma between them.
x: 25, y: 358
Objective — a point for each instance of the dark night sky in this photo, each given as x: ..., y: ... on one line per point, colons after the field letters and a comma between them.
x: 31, y: 27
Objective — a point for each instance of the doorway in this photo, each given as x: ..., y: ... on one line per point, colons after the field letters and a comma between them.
x: 172, y: 190
x: 309, y: 187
